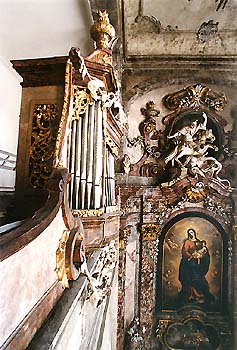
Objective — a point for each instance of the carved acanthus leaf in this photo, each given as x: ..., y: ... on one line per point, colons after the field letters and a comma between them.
x: 194, y: 97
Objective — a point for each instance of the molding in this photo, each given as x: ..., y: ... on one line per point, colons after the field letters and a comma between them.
x: 41, y: 71
x: 187, y: 61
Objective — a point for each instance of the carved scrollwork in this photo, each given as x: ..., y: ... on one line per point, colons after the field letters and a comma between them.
x: 150, y: 169
x: 192, y: 332
x: 161, y: 328
x: 81, y: 99
x: 148, y: 126
x: 194, y: 97
x: 43, y: 140
x: 85, y: 213
x: 69, y: 254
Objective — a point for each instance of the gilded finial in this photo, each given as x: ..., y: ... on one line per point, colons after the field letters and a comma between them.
x: 102, y: 32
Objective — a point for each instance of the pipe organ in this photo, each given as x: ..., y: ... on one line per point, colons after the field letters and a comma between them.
x: 83, y: 136
x: 91, y: 133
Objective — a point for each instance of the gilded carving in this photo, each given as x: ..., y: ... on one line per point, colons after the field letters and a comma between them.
x: 94, y: 85
x: 65, y: 112
x: 123, y: 237
x: 161, y: 328
x: 68, y: 254
x: 197, y: 193
x: 102, y: 32
x: 101, y: 56
x: 149, y: 232
x: 43, y: 140
x: 85, y: 213
x: 195, y: 97
x: 81, y: 99
x: 60, y: 260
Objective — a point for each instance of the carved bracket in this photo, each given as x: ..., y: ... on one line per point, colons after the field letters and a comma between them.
x: 69, y: 256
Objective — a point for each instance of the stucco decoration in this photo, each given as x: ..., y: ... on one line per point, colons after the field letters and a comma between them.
x: 151, y: 30
x: 192, y: 139
x: 207, y: 30
x: 195, y: 97
x: 100, y: 279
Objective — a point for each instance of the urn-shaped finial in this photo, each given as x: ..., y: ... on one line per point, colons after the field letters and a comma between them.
x: 102, y: 32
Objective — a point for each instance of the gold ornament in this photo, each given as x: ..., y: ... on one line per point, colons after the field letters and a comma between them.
x: 149, y: 231
x: 102, y: 32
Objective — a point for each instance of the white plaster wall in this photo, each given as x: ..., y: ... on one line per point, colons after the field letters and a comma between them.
x: 26, y: 276
x: 10, y: 100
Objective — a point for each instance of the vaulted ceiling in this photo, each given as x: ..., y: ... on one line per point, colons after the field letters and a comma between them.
x: 146, y: 28
x: 184, y: 27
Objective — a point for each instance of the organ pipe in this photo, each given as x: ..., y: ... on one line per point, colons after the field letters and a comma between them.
x: 98, y: 157
x: 77, y: 162
x: 90, y: 161
x: 84, y: 159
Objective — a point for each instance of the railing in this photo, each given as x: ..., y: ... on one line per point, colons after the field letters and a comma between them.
x: 7, y: 160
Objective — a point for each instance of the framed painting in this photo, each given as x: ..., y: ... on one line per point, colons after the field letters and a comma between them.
x: 191, y: 267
